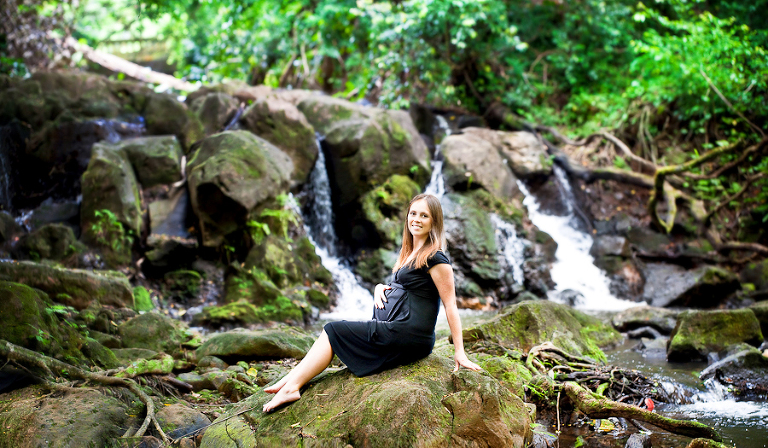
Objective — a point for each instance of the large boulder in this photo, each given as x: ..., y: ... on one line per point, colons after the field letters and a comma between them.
x: 178, y: 420
x: 472, y: 161
x: 214, y: 110
x: 155, y: 160
x: 528, y: 324
x: 73, y: 287
x: 282, y: 124
x: 165, y: 115
x: 365, y: 145
x: 27, y: 319
x: 699, y: 333
x: 422, y: 404
x: 672, y: 285
x: 523, y: 152
x: 761, y: 311
x: 31, y: 417
x: 662, y: 319
x: 383, y: 208
x: 154, y: 331
x: 286, y: 342
x: 51, y: 242
x: 232, y: 175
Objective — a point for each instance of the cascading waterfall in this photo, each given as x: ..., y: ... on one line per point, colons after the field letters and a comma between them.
x: 354, y: 302
x: 512, y: 246
x: 5, y: 172
x: 574, y: 267
x: 436, y: 184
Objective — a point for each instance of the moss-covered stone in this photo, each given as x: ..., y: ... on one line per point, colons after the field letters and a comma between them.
x: 28, y: 319
x: 160, y: 365
x: 154, y: 331
x: 422, y: 404
x: 761, y: 312
x: 703, y: 287
x: 182, y: 284
x: 700, y: 332
x: 473, y: 240
x: 142, y: 300
x: 164, y: 115
x: 214, y: 110
x: 155, y: 160
x: 286, y: 342
x: 51, y: 242
x: 98, y: 354
x: 373, y: 266
x: 527, y: 324
x: 73, y: 287
x: 31, y: 417
x: 383, y: 208
x: 231, y: 176
x: 756, y: 274
x: 282, y: 124
x: 178, y: 420
x: 240, y: 313
x: 662, y: 319
x: 365, y: 145
x: 510, y: 372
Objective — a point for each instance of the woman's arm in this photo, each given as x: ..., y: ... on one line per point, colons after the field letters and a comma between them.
x: 442, y: 275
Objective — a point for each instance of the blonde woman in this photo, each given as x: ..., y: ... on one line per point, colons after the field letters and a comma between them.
x: 405, y: 312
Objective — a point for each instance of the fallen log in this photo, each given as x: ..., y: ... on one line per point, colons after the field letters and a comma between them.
x: 595, y: 406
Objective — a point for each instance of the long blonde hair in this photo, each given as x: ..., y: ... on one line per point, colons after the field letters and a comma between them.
x: 435, y: 239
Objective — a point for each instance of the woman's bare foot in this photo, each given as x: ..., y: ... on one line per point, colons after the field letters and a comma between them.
x: 275, y: 388
x: 282, y: 397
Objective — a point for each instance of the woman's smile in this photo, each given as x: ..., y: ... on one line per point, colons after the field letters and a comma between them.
x: 419, y: 220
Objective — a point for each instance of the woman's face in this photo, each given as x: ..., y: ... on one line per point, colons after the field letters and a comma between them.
x: 419, y: 219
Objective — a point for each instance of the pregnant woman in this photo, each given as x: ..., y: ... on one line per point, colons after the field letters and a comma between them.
x: 405, y: 312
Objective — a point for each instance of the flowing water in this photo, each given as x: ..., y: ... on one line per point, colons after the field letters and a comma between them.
x: 574, y: 267
x: 6, y: 193
x: 353, y: 302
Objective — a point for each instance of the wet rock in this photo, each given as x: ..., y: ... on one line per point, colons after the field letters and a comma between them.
x: 383, y: 208
x: 27, y: 319
x: 571, y: 297
x: 55, y: 212
x: 31, y: 417
x: 365, y: 145
x: 287, y: 342
x: 287, y: 263
x: 73, y: 287
x: 240, y: 313
x: 761, y: 311
x: 699, y: 333
x: 610, y: 245
x: 155, y: 160
x: 638, y: 440
x: 10, y: 231
x: 231, y: 175
x: 647, y: 241
x: 706, y: 443
x: 282, y: 124
x: 744, y: 372
x: 154, y: 331
x: 756, y: 274
x: 522, y: 151
x: 672, y: 285
x: 164, y: 115
x: 654, y: 348
x: 214, y: 110
x: 197, y: 381
x: 662, y: 319
x: 626, y: 279
x: 51, y: 242
x: 472, y: 162
x: 98, y: 354
x: 509, y: 370
x: 178, y: 420
x: 421, y: 404
x: 527, y: 324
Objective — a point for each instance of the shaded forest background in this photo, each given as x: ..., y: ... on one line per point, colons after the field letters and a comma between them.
x: 684, y: 84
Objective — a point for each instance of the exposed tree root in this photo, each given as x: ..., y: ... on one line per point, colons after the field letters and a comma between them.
x: 49, y: 365
x: 595, y: 406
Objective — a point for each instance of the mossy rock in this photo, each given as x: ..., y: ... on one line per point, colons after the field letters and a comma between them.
x: 99, y: 354
x: 286, y: 342
x: 365, y: 145
x: 182, y: 284
x: 761, y: 312
x: 240, y: 313
x: 527, y: 324
x: 178, y: 420
x: 155, y: 160
x: 510, y: 372
x: 383, y: 208
x: 288, y: 263
x: 745, y: 373
x: 703, y: 287
x: 282, y: 124
x: 422, y: 404
x: 756, y: 274
x: 142, y: 299
x: 662, y: 319
x: 73, y: 287
x: 214, y: 110
x: 164, y: 115
x: 472, y: 239
x: 51, y: 242
x: 699, y: 333
x: 154, y: 331
x: 373, y: 266
x: 31, y: 417
x: 27, y: 319
x: 232, y: 176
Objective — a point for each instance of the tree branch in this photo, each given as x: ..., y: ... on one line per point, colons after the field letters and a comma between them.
x: 728, y: 103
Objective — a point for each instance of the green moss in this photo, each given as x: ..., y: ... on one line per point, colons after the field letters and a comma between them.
x: 141, y: 299
x: 700, y: 332
x: 383, y: 207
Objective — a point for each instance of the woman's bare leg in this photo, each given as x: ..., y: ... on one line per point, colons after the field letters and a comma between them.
x: 317, y: 359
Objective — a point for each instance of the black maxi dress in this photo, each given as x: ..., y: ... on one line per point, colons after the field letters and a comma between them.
x: 407, y: 335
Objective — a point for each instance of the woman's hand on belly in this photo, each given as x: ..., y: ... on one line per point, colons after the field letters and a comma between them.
x: 379, y: 298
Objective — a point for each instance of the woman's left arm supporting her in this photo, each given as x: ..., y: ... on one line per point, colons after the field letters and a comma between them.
x: 442, y: 275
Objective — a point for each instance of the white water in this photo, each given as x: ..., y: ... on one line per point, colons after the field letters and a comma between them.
x: 512, y: 246
x: 353, y: 302
x: 436, y: 184
x: 574, y: 267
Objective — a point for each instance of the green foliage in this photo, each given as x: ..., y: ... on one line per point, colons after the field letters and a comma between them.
x: 110, y: 232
